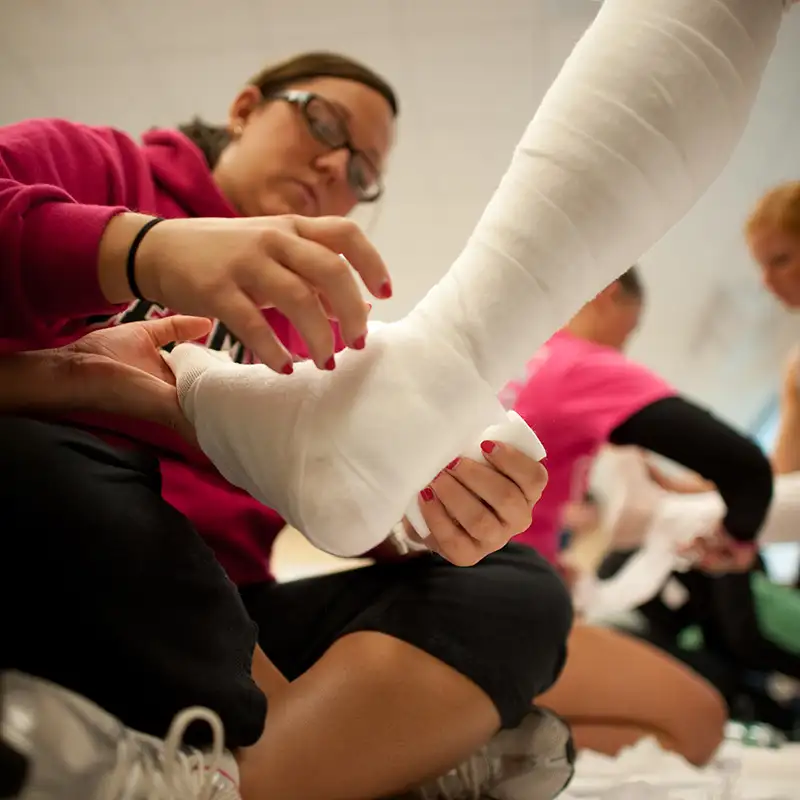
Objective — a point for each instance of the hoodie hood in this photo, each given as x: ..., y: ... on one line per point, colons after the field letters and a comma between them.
x: 183, y: 180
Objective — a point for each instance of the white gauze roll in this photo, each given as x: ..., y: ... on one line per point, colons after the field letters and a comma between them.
x: 641, y: 119
x: 513, y: 430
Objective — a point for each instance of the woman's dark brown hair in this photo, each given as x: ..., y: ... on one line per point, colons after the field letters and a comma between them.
x: 212, y: 139
x: 631, y: 283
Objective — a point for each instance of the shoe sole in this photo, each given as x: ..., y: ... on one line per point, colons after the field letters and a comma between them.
x: 14, y: 763
x: 548, y: 738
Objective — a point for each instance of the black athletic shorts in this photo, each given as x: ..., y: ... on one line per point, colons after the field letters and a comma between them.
x: 107, y: 590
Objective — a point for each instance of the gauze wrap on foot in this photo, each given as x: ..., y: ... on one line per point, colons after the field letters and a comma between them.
x: 339, y: 455
x: 641, y: 120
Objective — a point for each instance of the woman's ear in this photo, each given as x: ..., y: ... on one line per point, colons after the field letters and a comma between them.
x: 242, y: 108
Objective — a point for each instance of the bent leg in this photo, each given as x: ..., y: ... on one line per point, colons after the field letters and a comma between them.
x: 400, y: 671
x: 615, y: 690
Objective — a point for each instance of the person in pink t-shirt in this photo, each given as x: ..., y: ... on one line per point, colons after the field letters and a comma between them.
x: 578, y: 388
x: 581, y: 392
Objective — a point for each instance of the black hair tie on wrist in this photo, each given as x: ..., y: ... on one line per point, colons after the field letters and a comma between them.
x: 130, y: 266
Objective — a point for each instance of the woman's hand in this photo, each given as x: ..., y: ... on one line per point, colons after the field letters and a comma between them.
x: 473, y: 509
x: 120, y: 370
x: 720, y: 553
x: 232, y: 269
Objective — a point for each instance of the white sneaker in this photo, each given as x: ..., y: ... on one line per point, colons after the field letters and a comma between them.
x: 76, y: 750
x: 534, y: 761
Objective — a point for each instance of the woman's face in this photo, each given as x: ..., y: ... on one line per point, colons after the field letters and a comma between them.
x: 777, y: 253
x: 275, y: 165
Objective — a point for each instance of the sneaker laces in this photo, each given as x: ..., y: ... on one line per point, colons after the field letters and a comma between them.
x: 468, y: 781
x: 534, y: 753
x: 148, y: 768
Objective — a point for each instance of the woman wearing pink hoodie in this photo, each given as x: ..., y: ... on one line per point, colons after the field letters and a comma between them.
x: 640, y: 121
x: 134, y: 541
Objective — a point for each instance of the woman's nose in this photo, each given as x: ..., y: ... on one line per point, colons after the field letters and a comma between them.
x: 334, y: 165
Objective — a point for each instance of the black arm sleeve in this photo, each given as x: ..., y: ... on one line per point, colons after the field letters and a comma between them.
x: 691, y: 436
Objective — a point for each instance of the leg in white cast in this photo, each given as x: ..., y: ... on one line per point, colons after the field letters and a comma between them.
x: 339, y: 455
x: 640, y: 121
x: 643, y: 117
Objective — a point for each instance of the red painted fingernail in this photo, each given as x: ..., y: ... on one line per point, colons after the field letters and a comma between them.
x: 330, y: 364
x: 454, y: 463
x: 287, y: 368
x: 426, y: 494
x: 360, y: 343
x: 385, y: 290
x: 488, y: 447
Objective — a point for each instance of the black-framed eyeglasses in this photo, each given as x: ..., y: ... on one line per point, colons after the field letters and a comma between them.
x: 327, y: 125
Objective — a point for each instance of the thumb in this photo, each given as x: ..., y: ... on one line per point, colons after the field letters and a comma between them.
x: 156, y: 402
x: 176, y: 329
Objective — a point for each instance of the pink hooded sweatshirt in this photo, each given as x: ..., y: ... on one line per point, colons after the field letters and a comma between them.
x: 60, y: 185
